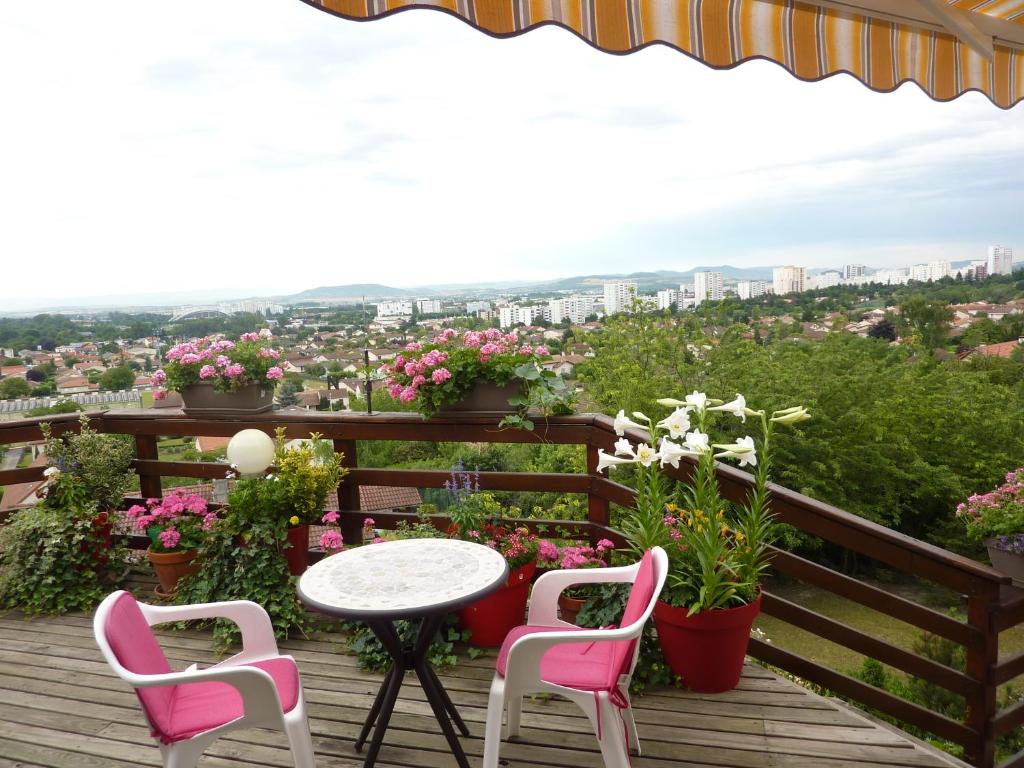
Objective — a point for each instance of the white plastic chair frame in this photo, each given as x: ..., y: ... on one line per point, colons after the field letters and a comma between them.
x: 522, y: 670
x: 262, y: 706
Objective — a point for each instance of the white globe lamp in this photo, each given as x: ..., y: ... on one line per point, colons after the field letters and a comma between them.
x: 251, y: 451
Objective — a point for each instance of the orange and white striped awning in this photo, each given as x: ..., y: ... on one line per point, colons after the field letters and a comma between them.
x: 947, y: 47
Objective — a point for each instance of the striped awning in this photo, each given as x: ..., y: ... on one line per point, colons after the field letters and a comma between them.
x: 947, y: 47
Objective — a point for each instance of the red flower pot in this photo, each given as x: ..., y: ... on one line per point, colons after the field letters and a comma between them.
x: 491, y: 618
x: 297, y: 553
x: 707, y: 649
x: 170, y: 567
x: 569, y: 607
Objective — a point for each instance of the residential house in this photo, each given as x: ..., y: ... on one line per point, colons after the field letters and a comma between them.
x: 564, y: 365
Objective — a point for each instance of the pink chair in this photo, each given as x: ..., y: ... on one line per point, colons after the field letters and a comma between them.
x: 187, y: 711
x: 591, y: 667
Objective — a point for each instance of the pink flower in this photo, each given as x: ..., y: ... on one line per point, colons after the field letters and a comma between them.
x: 489, y: 348
x: 410, y: 369
x: 547, y: 551
x: 330, y: 518
x: 189, y: 358
x: 208, y: 520
x: 135, y: 510
x: 275, y: 373
x: 394, y: 391
x: 399, y: 361
x: 526, y: 349
x: 407, y: 395
x: 542, y: 350
x: 605, y: 544
x: 369, y: 522
x: 440, y: 375
x: 207, y: 372
x: 159, y: 376
x: 675, y: 534
x: 249, y: 337
x: 275, y: 354
x: 234, y: 370
x: 413, y: 346
x: 378, y: 540
x: 331, y: 540
x: 418, y: 380
x: 223, y: 361
x: 169, y: 538
x: 159, y: 394
x: 265, y: 333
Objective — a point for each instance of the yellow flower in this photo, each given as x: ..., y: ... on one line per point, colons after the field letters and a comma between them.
x: 725, y: 529
x: 294, y: 519
x: 740, y: 537
x: 720, y: 514
x: 670, y: 507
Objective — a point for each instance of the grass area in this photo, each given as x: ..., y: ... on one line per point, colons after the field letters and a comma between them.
x: 147, y: 399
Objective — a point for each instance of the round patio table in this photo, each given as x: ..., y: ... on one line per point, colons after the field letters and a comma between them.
x: 411, y: 579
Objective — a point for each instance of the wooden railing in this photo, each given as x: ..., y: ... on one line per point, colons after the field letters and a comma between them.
x: 992, y: 606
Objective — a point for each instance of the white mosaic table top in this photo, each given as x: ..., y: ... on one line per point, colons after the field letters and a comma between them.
x: 405, y: 577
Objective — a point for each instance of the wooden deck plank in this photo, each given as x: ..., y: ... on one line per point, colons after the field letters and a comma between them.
x: 60, y: 705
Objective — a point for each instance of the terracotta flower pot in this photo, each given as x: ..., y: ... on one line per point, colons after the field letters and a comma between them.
x: 485, y: 396
x: 297, y: 554
x: 170, y: 567
x: 707, y: 649
x: 1007, y: 562
x: 569, y: 607
x: 491, y: 618
x: 203, y: 400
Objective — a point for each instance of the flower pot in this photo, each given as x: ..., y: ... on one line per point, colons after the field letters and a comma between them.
x: 707, y: 649
x: 569, y: 607
x: 203, y: 400
x: 486, y: 396
x: 491, y: 618
x: 297, y: 553
x: 1010, y: 563
x: 170, y: 567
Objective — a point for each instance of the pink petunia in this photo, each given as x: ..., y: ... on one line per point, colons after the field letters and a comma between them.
x: 275, y: 373
x: 169, y: 538
x: 207, y: 372
x: 330, y: 517
x: 332, y: 540
x: 440, y: 375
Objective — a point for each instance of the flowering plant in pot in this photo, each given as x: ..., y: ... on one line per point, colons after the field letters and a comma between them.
x: 717, y: 551
x: 306, y: 471
x: 571, y: 556
x: 996, y: 518
x: 480, y: 371
x: 200, y: 369
x: 176, y: 525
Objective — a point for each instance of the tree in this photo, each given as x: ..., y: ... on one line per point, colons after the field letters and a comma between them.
x: 64, y: 406
x: 929, y: 319
x: 35, y: 375
x: 12, y: 387
x: 883, y: 330
x: 118, y: 377
x: 316, y: 370
x: 287, y: 395
x: 45, y: 388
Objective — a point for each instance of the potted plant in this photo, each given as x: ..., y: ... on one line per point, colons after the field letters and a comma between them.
x: 176, y: 526
x: 478, y: 371
x: 996, y: 518
x: 306, y: 471
x: 222, y: 377
x: 100, y: 464
x: 569, y: 557
x: 717, y: 551
x: 478, y: 517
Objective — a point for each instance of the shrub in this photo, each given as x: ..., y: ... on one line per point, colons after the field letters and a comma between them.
x: 100, y: 464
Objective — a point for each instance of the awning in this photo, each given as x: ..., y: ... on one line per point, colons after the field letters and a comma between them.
x: 947, y: 47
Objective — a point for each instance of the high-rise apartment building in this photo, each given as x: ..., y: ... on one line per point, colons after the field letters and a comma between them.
x: 475, y: 307
x: 853, y: 271
x: 933, y: 270
x: 750, y: 289
x: 1000, y: 260
x: 394, y: 308
x: 619, y: 296
x: 826, y: 279
x: 707, y: 286
x: 514, y: 315
x: 789, y: 279
x: 576, y: 309
x: 668, y: 299
x: 428, y: 306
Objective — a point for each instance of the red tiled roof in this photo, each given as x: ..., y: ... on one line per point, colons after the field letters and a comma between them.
x: 207, y: 443
x: 15, y: 495
x: 374, y: 497
x: 1005, y: 349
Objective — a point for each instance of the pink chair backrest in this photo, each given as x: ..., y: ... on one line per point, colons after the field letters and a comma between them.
x: 137, y: 650
x: 640, y: 597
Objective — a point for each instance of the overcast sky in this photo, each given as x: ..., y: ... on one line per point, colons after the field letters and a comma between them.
x: 232, y: 148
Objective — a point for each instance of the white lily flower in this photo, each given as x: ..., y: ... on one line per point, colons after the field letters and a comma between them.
x: 671, y: 453
x: 698, y: 401
x: 676, y: 423
x: 791, y: 416
x: 641, y: 416
x: 50, y: 472
x: 646, y: 454
x: 737, y: 408
x: 743, y: 449
x: 607, y: 461
x: 696, y: 441
x: 670, y: 402
x: 624, y: 448
x: 623, y: 422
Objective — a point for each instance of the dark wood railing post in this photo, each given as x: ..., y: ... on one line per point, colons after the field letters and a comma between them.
x: 348, y: 493
x: 981, y: 663
x: 598, y: 508
x: 145, y: 448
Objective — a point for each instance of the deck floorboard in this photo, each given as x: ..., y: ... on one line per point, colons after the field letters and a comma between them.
x: 60, y: 706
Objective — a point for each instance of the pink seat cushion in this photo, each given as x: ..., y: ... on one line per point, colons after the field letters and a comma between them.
x: 591, y: 666
x: 178, y: 712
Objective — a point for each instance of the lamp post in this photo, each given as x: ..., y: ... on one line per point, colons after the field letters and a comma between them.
x: 251, y: 451
x: 369, y: 383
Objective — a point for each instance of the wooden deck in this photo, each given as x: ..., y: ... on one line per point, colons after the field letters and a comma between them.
x: 60, y: 706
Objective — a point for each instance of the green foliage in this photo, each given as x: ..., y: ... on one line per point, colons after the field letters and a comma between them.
x: 241, y: 559
x: 100, y: 463
x: 372, y: 656
x: 13, y: 387
x: 64, y: 406
x: 288, y: 394
x: 998, y: 514
x: 117, y: 378
x: 53, y: 556
x: 928, y: 318
x: 307, y: 473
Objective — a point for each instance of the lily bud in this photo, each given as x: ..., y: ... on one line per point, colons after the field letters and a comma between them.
x: 795, y: 416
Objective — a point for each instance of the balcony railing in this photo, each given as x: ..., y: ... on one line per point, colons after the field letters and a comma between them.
x: 992, y: 606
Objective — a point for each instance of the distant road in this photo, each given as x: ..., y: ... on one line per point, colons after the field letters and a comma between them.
x: 11, y: 458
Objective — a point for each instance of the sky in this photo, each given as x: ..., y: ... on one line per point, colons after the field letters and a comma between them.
x: 216, y: 148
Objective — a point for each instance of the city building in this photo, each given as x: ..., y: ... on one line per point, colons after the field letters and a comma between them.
x: 789, y: 279
x: 513, y: 314
x: 933, y: 270
x: 476, y: 307
x: 428, y: 306
x: 707, y: 286
x: 263, y: 307
x: 401, y: 307
x: 854, y: 271
x: 1000, y: 260
x: 668, y: 298
x: 619, y: 296
x: 826, y: 279
x: 891, y: 277
x: 749, y: 289
x: 576, y: 309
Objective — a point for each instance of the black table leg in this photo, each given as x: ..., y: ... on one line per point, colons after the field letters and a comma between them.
x: 388, y: 694
x: 432, y: 688
x: 393, y: 670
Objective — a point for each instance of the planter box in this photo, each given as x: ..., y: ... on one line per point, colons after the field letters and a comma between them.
x: 1009, y: 563
x: 203, y: 400
x: 486, y: 397
x: 491, y: 618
